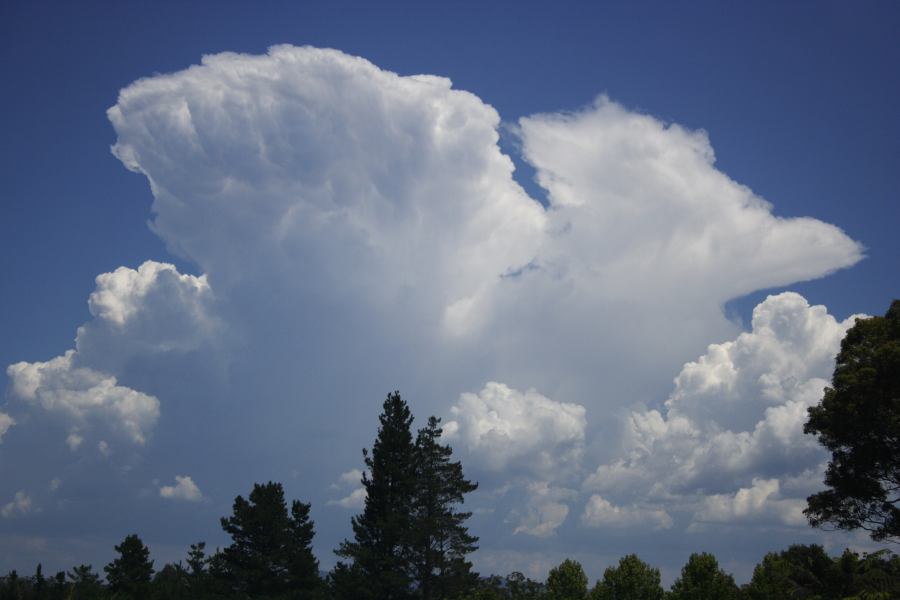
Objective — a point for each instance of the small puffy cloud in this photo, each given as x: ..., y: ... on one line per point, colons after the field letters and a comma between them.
x: 501, y: 426
x: 355, y: 499
x: 760, y: 502
x: 84, y: 396
x: 600, y: 512
x: 74, y: 440
x: 55, y: 484
x: 21, y: 504
x: 184, y: 489
x: 545, y: 510
x: 146, y: 313
x: 103, y: 448
x: 6, y: 422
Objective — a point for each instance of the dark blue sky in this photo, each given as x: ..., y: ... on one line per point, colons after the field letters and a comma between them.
x: 800, y: 101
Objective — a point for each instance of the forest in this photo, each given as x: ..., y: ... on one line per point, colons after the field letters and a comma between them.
x: 411, y: 542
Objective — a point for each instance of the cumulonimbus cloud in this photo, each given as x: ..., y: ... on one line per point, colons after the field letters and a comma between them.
x: 349, y: 220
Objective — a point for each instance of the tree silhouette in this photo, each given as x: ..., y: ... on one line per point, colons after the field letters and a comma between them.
x: 858, y: 420
x: 567, y: 582
x: 128, y: 575
x: 632, y: 579
x: 271, y: 551
x: 702, y: 579
x: 440, y: 539
x: 382, y: 546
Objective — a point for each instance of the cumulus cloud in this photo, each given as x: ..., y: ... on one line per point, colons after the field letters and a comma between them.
x: 347, y: 219
x: 501, y: 426
x: 83, y: 396
x: 184, y: 489
x: 356, y: 498
x: 600, y: 512
x: 736, y: 418
x: 138, y: 313
x: 545, y: 511
x: 6, y: 422
x: 759, y: 502
x: 21, y: 504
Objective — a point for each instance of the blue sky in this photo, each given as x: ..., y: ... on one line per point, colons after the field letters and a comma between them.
x: 269, y: 355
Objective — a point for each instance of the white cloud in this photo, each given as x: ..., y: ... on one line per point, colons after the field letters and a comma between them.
x: 355, y: 499
x: 83, y: 395
x: 735, y: 418
x: 6, y: 422
x: 351, y: 220
x: 184, y: 489
x: 74, y: 440
x: 600, y: 512
x: 761, y: 501
x: 638, y: 196
x: 501, y: 425
x: 544, y: 512
x: 21, y: 504
x: 138, y: 314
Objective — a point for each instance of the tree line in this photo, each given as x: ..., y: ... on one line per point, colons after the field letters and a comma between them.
x: 411, y: 543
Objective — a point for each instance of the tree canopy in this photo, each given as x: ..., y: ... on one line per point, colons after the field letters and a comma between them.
x: 128, y: 575
x: 632, y: 578
x: 858, y: 420
x: 702, y: 579
x: 271, y: 551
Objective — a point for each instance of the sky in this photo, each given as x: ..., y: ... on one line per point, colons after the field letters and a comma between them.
x: 614, y: 246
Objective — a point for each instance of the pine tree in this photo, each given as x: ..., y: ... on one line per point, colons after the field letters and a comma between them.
x: 85, y: 583
x: 129, y: 575
x: 441, y: 541
x: 381, y: 549
x: 271, y: 552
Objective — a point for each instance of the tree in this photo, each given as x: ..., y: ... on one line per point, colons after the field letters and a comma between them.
x: 128, y: 576
x: 440, y: 540
x: 798, y: 572
x: 172, y: 583
x: 632, y: 579
x: 858, y: 420
x: 567, y: 582
x: 271, y: 551
x: 85, y: 583
x: 381, y: 551
x: 520, y: 587
x: 702, y: 579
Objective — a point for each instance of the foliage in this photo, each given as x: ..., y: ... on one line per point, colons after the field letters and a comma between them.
x: 85, y: 583
x: 632, y: 579
x: 440, y: 540
x: 702, y: 579
x: 128, y: 576
x: 858, y: 420
x: 567, y: 582
x: 271, y: 551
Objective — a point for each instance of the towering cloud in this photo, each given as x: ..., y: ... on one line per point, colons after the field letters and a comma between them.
x: 356, y: 231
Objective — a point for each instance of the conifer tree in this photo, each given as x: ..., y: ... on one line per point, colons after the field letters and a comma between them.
x: 381, y: 549
x: 271, y: 552
x: 128, y: 576
x: 440, y: 539
x: 85, y: 583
